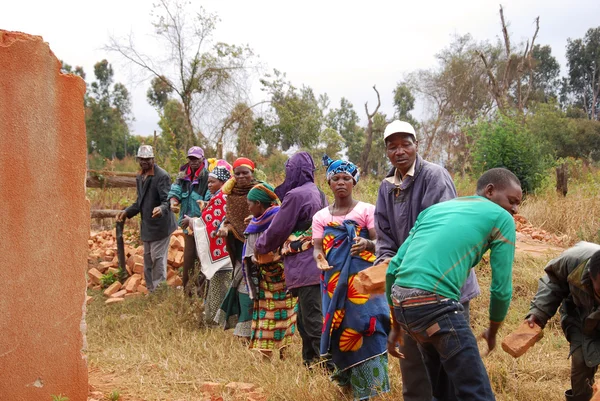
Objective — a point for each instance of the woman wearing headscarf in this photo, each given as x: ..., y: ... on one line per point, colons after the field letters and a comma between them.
x: 214, y: 259
x: 355, y: 325
x: 274, y: 315
x: 189, y: 188
x: 237, y: 303
x: 291, y: 231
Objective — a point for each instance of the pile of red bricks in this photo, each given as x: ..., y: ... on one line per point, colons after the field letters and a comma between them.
x: 526, y: 228
x: 103, y: 259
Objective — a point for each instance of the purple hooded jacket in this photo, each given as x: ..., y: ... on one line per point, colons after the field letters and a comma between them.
x: 396, y: 215
x: 301, y: 199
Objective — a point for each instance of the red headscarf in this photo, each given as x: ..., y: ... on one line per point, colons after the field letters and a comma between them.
x: 243, y: 162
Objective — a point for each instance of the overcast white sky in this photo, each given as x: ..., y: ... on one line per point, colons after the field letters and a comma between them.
x: 338, y: 47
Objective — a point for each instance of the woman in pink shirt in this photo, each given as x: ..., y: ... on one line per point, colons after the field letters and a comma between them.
x: 355, y: 325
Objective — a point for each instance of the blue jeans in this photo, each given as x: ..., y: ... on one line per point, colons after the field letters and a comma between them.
x: 449, y: 350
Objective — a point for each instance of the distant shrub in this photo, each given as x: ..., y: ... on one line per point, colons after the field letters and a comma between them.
x: 505, y: 142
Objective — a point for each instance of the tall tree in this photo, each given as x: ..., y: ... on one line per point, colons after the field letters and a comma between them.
x: 453, y: 91
x: 344, y: 121
x: 510, y: 72
x: 297, y: 114
x: 207, y: 77
x: 404, y: 103
x: 546, y: 71
x: 583, y: 84
x: 108, y: 109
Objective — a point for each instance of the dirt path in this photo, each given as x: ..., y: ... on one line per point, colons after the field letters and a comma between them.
x: 528, y: 246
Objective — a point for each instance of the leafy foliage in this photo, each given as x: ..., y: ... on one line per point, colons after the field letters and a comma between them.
x: 582, y: 87
x: 109, y: 278
x: 506, y: 142
x: 108, y: 109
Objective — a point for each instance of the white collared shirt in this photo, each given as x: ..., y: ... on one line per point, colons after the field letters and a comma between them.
x: 396, y: 179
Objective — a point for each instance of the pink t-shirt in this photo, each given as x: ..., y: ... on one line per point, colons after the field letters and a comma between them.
x: 363, y: 213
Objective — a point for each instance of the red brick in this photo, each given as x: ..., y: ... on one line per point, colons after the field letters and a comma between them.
x: 132, y: 294
x: 171, y: 272
x: 94, y: 276
x: 114, y: 287
x: 236, y: 387
x: 211, y: 388
x: 175, y: 281
x: 372, y: 279
x: 178, y: 262
x: 104, y: 266
x: 142, y: 289
x: 88, y: 299
x: 113, y: 300
x: 176, y: 243
x: 133, y: 283
x: 523, y: 338
x: 118, y: 294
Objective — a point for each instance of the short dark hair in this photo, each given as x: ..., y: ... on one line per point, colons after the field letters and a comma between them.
x: 594, y: 265
x: 499, y: 177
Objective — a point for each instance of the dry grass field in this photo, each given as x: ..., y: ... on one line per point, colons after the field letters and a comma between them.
x: 154, y: 348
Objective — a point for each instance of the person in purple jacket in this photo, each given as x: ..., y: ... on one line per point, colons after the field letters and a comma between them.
x: 291, y: 230
x: 411, y: 186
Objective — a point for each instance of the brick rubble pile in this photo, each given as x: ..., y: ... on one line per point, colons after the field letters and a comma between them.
x: 529, y: 231
x: 103, y: 259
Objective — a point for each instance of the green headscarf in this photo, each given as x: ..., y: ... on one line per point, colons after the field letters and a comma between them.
x: 263, y: 193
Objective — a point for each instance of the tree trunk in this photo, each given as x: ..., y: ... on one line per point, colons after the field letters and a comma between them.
x: 365, y: 157
x: 110, y: 181
x: 104, y: 213
x: 562, y: 178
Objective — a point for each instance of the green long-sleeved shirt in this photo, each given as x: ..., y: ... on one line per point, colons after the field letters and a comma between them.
x: 447, y: 240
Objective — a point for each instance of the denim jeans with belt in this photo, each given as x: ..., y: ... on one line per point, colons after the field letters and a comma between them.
x: 448, y: 346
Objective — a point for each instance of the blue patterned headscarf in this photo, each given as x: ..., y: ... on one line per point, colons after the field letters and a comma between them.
x: 340, y: 166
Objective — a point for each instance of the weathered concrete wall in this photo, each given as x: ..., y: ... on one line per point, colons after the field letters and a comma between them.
x: 44, y: 224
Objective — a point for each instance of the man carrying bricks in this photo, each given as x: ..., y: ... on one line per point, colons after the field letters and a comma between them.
x: 412, y: 185
x: 424, y: 282
x: 158, y: 222
x: 572, y: 281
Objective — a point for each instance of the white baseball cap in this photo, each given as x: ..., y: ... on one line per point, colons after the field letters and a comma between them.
x: 399, y: 127
x: 145, y: 152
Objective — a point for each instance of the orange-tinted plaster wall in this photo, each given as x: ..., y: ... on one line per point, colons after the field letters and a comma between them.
x: 44, y: 224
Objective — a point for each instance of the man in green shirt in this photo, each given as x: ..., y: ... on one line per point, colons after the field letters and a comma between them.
x: 425, y: 277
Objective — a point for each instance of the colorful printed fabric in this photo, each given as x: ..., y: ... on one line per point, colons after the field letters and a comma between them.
x: 214, y: 162
x: 297, y: 242
x: 212, y: 250
x: 355, y: 325
x: 274, y: 314
x: 256, y: 226
x: 340, y: 166
x: 275, y: 310
x: 243, y: 162
x: 368, y: 379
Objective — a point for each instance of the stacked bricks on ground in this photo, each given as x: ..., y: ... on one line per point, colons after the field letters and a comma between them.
x: 523, y: 338
x: 45, y: 224
x: 372, y: 280
x: 103, y: 259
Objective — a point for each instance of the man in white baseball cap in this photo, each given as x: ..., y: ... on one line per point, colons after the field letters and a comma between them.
x: 158, y: 222
x: 411, y: 186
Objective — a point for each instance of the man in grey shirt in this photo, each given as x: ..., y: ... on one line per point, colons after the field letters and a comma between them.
x: 411, y: 186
